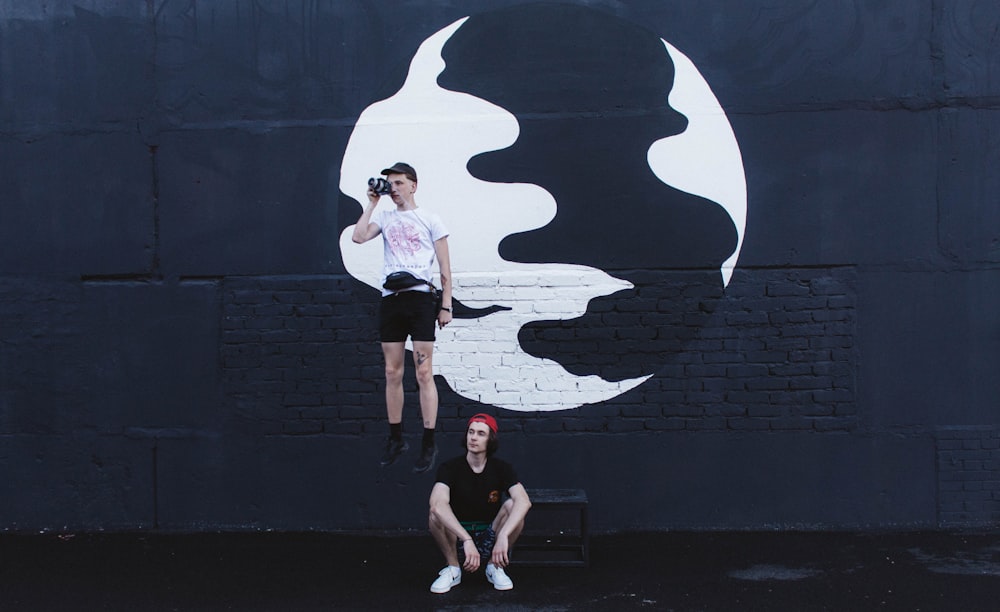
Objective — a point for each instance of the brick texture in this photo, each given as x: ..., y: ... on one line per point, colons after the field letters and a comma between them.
x: 968, y: 461
x: 300, y: 356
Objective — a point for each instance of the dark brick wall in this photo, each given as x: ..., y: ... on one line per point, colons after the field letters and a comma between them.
x: 778, y: 354
x: 968, y: 462
x: 182, y: 347
x: 283, y: 356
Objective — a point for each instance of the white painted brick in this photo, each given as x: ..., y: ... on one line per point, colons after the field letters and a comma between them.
x: 484, y: 359
x: 535, y: 293
x: 522, y: 279
x: 520, y: 312
x: 512, y: 384
x: 496, y: 353
x: 486, y: 295
x: 510, y: 398
x: 594, y: 383
x: 551, y: 397
x: 457, y: 347
x: 469, y: 334
x: 518, y: 360
x: 469, y: 281
x: 504, y: 341
x: 559, y: 309
x: 562, y: 385
x: 477, y: 386
x: 502, y: 373
x: 565, y: 277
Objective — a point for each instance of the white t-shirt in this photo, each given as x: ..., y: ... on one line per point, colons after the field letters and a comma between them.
x: 408, y: 242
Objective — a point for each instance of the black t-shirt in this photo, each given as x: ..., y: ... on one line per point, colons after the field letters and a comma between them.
x: 476, y: 497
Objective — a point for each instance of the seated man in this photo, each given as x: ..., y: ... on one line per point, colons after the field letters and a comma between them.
x: 468, y: 513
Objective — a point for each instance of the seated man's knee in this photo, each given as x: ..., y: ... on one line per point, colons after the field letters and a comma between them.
x: 503, y: 513
x: 434, y: 521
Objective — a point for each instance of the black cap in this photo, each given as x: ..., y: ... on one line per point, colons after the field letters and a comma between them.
x: 402, y: 168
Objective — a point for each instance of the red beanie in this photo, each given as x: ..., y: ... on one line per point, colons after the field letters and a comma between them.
x: 485, y: 418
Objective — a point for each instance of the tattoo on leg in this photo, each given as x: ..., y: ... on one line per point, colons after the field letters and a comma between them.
x: 421, y: 357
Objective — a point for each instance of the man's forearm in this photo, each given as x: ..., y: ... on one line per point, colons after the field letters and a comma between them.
x: 447, y: 518
x: 516, y: 517
x: 446, y: 291
x: 361, y: 227
x: 444, y: 269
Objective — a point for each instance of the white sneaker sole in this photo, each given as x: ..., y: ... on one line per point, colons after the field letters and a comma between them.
x: 440, y: 590
x: 500, y: 587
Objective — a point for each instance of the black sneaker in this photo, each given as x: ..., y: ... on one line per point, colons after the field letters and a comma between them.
x: 428, y: 455
x: 393, y: 449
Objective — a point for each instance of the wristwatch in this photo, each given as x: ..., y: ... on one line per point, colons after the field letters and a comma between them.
x: 448, y: 309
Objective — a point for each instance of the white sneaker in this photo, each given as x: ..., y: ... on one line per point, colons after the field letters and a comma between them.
x: 501, y: 581
x: 447, y: 578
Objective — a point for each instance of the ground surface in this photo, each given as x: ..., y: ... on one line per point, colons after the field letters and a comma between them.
x: 660, y: 571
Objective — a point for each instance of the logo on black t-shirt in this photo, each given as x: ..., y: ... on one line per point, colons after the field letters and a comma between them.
x: 494, y: 497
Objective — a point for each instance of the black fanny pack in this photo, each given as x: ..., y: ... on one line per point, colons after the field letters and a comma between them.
x: 397, y: 281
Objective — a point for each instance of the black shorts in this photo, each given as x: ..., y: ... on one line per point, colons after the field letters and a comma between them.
x: 485, y: 539
x: 407, y: 313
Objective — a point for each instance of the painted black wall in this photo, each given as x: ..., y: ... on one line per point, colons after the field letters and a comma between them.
x: 181, y: 346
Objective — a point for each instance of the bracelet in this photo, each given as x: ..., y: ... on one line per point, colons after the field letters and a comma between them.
x: 448, y: 309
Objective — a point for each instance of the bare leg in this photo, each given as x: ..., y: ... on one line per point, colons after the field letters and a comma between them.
x: 394, y: 353
x: 445, y: 540
x: 423, y: 359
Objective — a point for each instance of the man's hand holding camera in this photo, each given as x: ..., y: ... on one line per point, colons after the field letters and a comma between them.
x: 378, y: 187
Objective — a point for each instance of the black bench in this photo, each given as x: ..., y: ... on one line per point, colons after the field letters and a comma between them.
x: 556, y: 531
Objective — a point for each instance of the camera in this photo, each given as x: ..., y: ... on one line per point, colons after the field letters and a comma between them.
x: 380, y: 186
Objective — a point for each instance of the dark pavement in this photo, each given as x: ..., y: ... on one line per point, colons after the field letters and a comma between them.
x: 656, y: 571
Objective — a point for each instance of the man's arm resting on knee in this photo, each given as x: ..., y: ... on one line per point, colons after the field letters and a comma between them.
x: 441, y: 510
x: 518, y: 511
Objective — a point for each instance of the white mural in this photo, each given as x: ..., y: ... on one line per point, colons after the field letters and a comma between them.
x: 438, y: 131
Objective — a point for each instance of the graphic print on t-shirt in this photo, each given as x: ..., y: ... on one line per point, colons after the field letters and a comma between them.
x: 403, y: 239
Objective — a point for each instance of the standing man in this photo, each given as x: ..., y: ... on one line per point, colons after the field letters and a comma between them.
x: 467, y: 511
x: 413, y: 241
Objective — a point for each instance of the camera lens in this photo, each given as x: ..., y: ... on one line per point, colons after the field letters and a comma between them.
x: 380, y: 186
